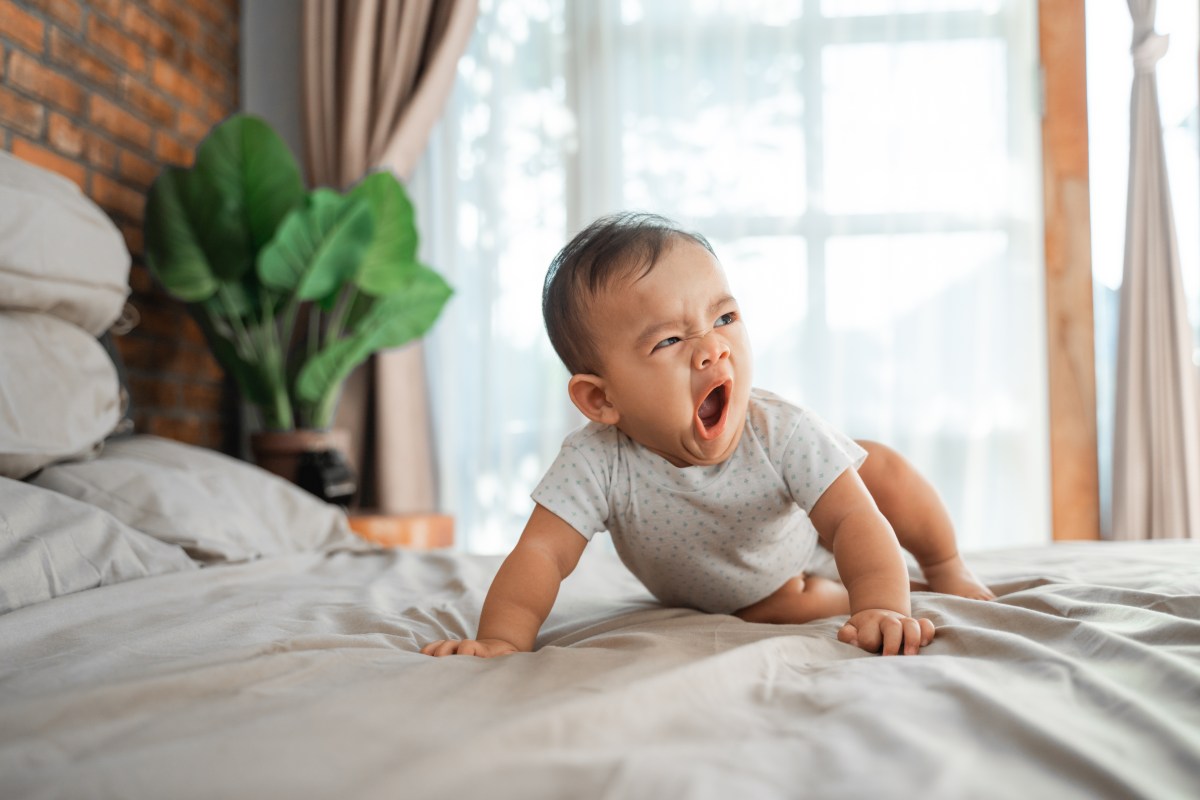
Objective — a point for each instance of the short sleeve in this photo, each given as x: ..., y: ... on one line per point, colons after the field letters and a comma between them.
x: 815, y: 455
x: 572, y: 490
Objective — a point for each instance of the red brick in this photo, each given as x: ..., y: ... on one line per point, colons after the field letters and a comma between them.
x: 110, y: 8
x: 77, y: 58
x: 136, y: 352
x: 222, y: 50
x: 22, y: 28
x: 194, y: 364
x: 134, y: 241
x: 25, y: 72
x: 170, y: 150
x: 139, y: 277
x: 34, y: 154
x: 187, y: 429
x: 67, y: 13
x: 215, y: 111
x: 65, y: 136
x: 21, y: 113
x: 146, y: 30
x: 176, y: 84
x: 116, y: 44
x: 155, y: 392
x: 191, y: 332
x: 216, y: 81
x: 117, y: 198
x: 203, y: 397
x: 160, y: 320
x: 120, y: 123
x: 147, y: 102
x: 73, y: 140
x: 191, y: 127
x: 214, y: 434
x: 135, y: 170
x: 178, y: 18
x: 2, y: 60
x: 212, y: 12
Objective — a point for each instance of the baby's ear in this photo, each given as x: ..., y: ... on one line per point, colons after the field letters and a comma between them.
x: 590, y: 396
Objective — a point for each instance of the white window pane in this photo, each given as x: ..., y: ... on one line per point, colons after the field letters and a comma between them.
x: 769, y: 277
x: 931, y: 339
x: 917, y: 126
x: 718, y: 134
x: 844, y: 8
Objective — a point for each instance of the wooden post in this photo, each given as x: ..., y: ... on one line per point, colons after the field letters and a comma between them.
x: 1074, y: 472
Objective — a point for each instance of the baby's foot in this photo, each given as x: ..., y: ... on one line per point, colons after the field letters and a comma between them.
x: 953, y: 576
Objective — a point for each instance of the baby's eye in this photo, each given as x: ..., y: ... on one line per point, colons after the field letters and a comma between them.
x: 725, y: 319
x: 667, y: 342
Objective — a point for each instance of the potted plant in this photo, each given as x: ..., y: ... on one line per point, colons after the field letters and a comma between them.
x: 292, y: 288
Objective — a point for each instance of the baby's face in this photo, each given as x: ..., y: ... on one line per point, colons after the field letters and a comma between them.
x: 676, y: 357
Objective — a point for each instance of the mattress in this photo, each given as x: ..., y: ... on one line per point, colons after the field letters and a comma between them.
x: 297, y: 674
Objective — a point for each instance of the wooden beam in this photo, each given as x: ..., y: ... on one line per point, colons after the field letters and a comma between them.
x: 1075, y: 487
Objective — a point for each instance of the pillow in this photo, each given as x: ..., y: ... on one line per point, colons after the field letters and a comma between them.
x: 51, y: 545
x: 59, y: 395
x: 59, y: 253
x: 217, y: 508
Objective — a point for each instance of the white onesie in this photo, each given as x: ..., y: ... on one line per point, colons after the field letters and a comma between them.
x: 714, y: 538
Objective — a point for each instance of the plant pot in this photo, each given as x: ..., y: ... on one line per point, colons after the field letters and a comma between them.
x: 312, y: 459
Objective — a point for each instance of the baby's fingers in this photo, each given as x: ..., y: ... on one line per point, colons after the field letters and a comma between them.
x: 848, y: 634
x: 927, y: 631
x: 893, y: 631
x: 442, y: 647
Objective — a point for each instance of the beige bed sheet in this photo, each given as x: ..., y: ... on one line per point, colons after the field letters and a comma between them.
x: 298, y: 676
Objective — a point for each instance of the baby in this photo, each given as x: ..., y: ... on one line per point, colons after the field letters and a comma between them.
x: 718, y: 496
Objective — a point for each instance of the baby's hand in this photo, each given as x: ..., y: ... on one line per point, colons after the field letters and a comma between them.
x: 483, y: 648
x: 877, y: 629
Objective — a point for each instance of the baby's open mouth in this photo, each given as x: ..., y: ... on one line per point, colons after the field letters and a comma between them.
x: 712, y: 409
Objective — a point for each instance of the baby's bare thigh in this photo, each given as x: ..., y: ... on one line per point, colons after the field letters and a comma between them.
x: 800, y: 599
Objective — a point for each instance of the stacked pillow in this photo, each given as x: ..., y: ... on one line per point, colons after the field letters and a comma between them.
x: 64, y: 272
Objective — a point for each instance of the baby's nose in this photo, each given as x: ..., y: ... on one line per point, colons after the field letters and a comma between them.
x: 710, y: 348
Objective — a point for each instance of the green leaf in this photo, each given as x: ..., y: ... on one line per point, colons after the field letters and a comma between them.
x: 246, y: 181
x: 395, y: 319
x: 318, y: 247
x: 174, y: 253
x: 392, y: 256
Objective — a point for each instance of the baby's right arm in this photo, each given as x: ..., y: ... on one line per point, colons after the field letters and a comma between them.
x: 523, y: 591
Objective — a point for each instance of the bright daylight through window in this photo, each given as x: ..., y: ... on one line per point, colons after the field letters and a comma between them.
x: 868, y: 172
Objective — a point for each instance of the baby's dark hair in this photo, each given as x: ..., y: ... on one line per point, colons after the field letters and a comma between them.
x: 612, y: 247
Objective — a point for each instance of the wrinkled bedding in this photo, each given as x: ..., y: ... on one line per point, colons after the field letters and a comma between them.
x: 298, y: 676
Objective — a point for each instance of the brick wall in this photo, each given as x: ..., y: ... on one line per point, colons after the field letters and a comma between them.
x: 107, y: 92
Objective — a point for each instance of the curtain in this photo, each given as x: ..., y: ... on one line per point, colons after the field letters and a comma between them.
x: 376, y: 76
x: 870, y: 176
x: 1156, y: 440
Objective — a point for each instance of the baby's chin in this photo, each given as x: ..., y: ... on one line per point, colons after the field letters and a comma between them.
x: 704, y: 454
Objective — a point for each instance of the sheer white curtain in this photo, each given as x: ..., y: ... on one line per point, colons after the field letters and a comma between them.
x: 867, y: 170
x: 1110, y: 73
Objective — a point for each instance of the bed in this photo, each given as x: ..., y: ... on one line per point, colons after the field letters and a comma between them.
x: 177, y: 623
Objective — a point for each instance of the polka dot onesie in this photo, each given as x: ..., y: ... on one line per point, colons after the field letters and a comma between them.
x: 715, y: 538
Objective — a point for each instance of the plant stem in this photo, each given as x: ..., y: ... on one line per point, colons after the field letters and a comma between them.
x: 340, y: 310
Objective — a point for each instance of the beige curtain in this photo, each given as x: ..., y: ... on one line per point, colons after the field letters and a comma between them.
x: 1156, y: 448
x: 376, y: 77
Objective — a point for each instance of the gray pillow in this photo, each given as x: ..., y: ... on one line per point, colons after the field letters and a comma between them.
x: 219, y: 509
x: 59, y: 253
x: 59, y: 395
x: 52, y: 545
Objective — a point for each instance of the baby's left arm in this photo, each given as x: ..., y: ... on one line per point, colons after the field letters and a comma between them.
x: 871, y: 565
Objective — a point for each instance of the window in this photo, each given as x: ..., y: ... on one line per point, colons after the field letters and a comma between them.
x: 867, y: 171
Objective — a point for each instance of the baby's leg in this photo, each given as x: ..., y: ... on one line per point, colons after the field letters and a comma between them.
x: 801, y: 599
x: 921, y: 522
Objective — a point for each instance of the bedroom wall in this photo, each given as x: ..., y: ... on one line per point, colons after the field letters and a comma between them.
x: 107, y: 93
